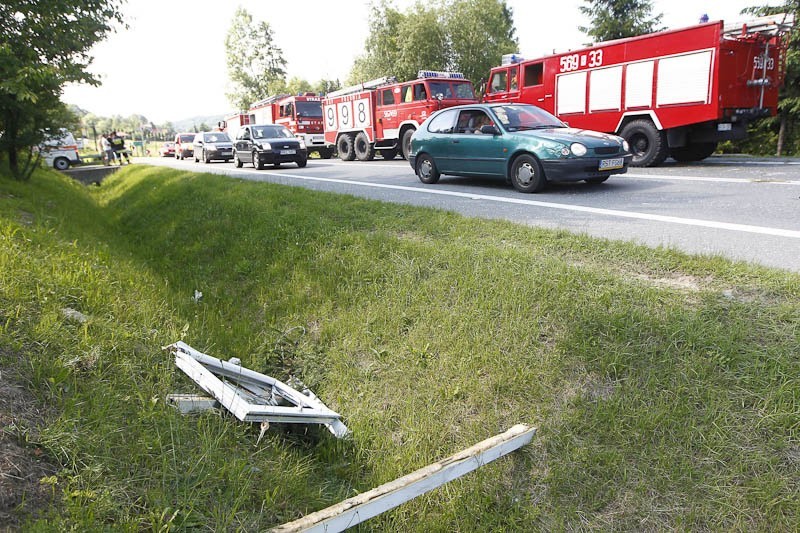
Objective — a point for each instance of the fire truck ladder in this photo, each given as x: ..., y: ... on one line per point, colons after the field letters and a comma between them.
x: 768, y: 26
x: 372, y: 84
x: 267, y: 101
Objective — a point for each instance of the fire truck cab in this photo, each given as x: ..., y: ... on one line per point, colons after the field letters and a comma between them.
x: 301, y: 114
x: 381, y: 115
x: 234, y: 121
x: 670, y: 93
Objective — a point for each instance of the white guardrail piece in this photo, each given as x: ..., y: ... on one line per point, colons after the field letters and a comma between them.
x: 249, y: 395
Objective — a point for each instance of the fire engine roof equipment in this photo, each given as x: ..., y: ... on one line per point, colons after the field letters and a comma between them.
x: 767, y: 25
x: 440, y: 74
x: 249, y: 395
x: 371, y: 84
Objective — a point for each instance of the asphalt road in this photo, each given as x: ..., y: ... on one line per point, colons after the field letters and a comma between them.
x: 740, y: 208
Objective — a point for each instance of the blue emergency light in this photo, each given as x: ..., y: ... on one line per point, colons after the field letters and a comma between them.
x: 439, y: 74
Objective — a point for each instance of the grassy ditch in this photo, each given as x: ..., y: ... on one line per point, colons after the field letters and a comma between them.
x: 665, y: 387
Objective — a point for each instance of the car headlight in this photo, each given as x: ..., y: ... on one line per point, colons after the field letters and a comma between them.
x: 266, y: 146
x: 302, y: 144
x: 626, y: 146
x: 578, y: 149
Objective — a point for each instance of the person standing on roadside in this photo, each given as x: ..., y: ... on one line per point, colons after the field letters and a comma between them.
x: 118, y: 144
x: 108, y: 151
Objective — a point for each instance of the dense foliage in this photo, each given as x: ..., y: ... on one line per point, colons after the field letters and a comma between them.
x: 44, y: 45
x: 468, y: 36
x: 616, y: 19
x: 255, y: 62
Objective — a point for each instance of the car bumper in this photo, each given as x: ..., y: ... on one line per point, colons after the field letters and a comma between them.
x: 273, y: 157
x: 580, y: 169
x: 412, y: 160
x: 222, y: 153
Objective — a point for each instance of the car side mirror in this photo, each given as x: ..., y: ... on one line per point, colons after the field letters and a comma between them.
x: 489, y: 130
x: 439, y: 96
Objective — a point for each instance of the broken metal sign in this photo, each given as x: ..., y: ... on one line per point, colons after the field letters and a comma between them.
x: 247, y: 394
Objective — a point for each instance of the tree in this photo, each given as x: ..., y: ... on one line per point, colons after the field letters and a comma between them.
x: 256, y: 67
x: 616, y: 19
x: 465, y: 35
x: 479, y: 32
x: 42, y: 49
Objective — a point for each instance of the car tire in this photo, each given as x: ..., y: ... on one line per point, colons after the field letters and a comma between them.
x: 301, y: 163
x: 236, y: 161
x: 426, y: 169
x: 389, y: 153
x: 206, y: 159
x: 257, y: 163
x: 345, y: 147
x: 365, y: 150
x: 648, y: 144
x: 527, y: 175
x: 196, y: 160
x: 61, y: 163
x: 405, y: 145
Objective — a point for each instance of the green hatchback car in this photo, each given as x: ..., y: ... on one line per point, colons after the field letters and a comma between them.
x: 522, y: 143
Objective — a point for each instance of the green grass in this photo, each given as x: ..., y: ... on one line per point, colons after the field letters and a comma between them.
x: 664, y: 386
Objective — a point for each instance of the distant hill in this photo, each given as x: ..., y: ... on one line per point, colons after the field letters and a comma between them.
x: 189, y: 124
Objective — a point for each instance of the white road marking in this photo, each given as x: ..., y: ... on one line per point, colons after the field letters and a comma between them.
x: 745, y: 228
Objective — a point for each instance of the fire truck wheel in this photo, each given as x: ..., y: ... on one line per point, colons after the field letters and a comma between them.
x: 648, y: 144
x: 693, y: 152
x: 365, y: 150
x: 426, y: 169
x: 405, y: 145
x: 345, y: 147
x: 236, y: 161
x: 527, y: 174
x: 61, y: 163
x: 258, y: 164
x: 391, y: 153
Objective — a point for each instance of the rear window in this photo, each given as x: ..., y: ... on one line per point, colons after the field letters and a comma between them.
x: 216, y: 137
x: 186, y: 138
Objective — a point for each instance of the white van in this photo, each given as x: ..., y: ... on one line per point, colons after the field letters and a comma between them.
x: 60, y: 151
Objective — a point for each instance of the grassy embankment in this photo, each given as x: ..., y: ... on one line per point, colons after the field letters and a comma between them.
x: 665, y: 387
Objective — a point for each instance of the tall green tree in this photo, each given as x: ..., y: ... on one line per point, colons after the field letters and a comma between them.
x: 616, y: 19
x: 256, y: 67
x: 479, y: 32
x: 44, y: 44
x: 464, y: 35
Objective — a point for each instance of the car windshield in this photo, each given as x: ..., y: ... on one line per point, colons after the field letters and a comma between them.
x: 216, y: 137
x: 309, y: 109
x: 525, y: 117
x: 271, y: 132
x: 451, y: 89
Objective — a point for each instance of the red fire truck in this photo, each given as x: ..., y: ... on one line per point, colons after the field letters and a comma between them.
x: 234, y: 121
x: 301, y: 114
x: 671, y: 93
x: 382, y: 114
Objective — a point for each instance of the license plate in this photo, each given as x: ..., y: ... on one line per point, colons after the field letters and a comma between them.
x: 287, y: 152
x: 611, y: 164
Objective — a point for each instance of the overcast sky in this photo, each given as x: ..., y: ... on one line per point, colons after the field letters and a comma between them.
x: 170, y: 64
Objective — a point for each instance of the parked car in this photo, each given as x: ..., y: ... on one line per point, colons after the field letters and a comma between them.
x: 183, y: 145
x: 167, y: 149
x: 210, y: 145
x: 268, y: 144
x: 60, y: 151
x: 522, y: 143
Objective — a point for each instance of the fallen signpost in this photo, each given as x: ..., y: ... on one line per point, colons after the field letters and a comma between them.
x: 366, y: 505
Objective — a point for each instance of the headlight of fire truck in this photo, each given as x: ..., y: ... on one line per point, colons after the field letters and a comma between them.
x: 578, y: 149
x: 266, y: 146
